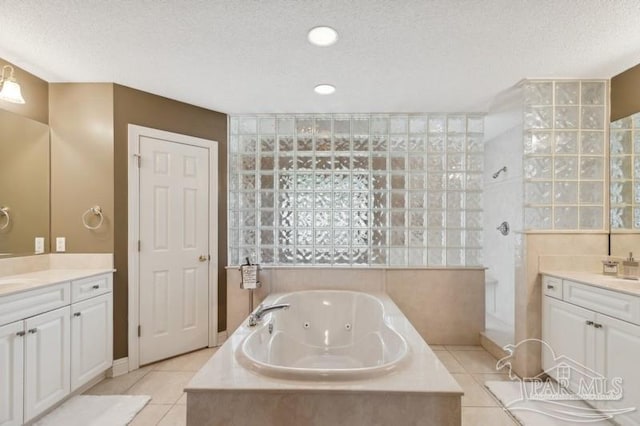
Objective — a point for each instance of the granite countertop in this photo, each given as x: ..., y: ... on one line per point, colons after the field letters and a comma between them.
x: 23, y: 282
x: 598, y: 280
x: 424, y: 373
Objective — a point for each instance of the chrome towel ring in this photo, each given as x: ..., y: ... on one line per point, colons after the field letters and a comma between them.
x: 4, y: 212
x: 96, y: 211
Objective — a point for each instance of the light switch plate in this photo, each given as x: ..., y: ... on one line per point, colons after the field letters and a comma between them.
x: 39, y: 245
x: 61, y: 244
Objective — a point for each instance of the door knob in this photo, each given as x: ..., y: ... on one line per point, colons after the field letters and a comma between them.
x: 203, y: 258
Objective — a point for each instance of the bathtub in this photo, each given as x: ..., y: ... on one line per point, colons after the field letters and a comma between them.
x: 324, y: 335
x: 379, y: 372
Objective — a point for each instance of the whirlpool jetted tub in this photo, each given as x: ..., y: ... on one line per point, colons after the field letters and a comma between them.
x: 324, y: 335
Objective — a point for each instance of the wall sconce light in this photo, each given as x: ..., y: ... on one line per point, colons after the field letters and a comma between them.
x: 9, y: 87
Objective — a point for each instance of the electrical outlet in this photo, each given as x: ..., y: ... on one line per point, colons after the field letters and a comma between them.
x: 61, y: 244
x: 39, y: 245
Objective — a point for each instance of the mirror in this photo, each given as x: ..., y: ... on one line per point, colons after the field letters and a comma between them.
x: 24, y: 184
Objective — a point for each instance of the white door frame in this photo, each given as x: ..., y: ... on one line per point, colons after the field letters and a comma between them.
x: 135, y: 132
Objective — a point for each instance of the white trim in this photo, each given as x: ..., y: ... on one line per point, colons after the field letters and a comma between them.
x: 120, y: 366
x: 135, y: 132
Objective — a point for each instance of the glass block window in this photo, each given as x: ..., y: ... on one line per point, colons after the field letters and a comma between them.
x: 624, y: 149
x: 396, y: 189
x: 564, y: 167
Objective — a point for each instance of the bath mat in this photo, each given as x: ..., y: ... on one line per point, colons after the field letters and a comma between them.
x: 96, y: 410
x: 546, y: 413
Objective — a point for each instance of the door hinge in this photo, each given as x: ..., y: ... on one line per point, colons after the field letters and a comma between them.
x: 139, y: 331
x: 138, y: 159
x: 139, y: 245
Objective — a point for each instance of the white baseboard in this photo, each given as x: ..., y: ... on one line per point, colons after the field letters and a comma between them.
x: 119, y: 367
x: 222, y: 337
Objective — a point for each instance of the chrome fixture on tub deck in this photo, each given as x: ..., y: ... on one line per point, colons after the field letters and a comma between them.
x: 256, y: 317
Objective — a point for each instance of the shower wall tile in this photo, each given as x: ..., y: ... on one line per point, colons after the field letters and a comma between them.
x: 356, y: 189
x: 624, y: 166
x: 564, y: 168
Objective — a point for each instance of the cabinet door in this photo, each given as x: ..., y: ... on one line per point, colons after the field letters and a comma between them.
x: 617, y: 355
x: 569, y: 332
x: 11, y: 373
x: 47, y: 361
x: 91, y: 339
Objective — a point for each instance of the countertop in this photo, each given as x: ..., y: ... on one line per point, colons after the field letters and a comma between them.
x: 23, y: 282
x: 599, y: 280
x: 423, y: 373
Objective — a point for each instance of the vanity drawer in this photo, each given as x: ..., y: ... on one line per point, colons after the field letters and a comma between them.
x: 87, y: 288
x: 33, y: 302
x: 618, y: 305
x: 552, y: 286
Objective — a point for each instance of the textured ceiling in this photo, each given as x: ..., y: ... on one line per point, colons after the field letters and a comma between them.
x: 246, y: 56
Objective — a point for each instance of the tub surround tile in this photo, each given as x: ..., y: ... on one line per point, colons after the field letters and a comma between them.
x: 223, y: 391
x: 445, y: 306
x: 276, y: 409
x: 224, y: 372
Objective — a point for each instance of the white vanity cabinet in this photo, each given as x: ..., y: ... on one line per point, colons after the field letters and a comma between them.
x: 60, y: 337
x: 11, y: 373
x: 46, y: 361
x: 91, y: 339
x: 599, y: 329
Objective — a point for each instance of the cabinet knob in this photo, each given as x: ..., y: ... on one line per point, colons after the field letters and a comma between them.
x: 95, y: 286
x: 550, y: 287
x: 589, y: 322
x: 20, y: 333
x: 33, y: 331
x: 77, y: 314
x: 597, y: 325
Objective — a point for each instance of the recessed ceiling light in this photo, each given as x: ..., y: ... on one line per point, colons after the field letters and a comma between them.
x: 322, y: 36
x: 324, y: 89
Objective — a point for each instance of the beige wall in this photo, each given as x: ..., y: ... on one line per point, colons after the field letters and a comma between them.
x: 625, y: 93
x: 446, y: 306
x: 133, y: 106
x: 35, y: 92
x: 81, y: 122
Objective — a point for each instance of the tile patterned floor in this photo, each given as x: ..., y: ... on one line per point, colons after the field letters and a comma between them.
x: 471, y: 366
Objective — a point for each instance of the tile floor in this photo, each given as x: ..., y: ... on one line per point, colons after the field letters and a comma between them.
x: 471, y: 366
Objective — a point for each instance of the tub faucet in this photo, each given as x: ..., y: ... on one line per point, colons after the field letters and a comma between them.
x: 256, y: 317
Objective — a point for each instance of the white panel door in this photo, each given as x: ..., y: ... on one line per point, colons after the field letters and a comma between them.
x: 566, y: 328
x: 617, y: 355
x: 174, y: 248
x: 11, y: 373
x: 91, y: 339
x: 47, y: 361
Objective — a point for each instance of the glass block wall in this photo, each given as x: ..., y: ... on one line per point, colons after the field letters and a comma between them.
x: 565, y: 125
x: 397, y: 190
x: 625, y: 173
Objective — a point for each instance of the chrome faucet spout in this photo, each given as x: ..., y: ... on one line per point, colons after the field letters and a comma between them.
x: 256, y: 317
